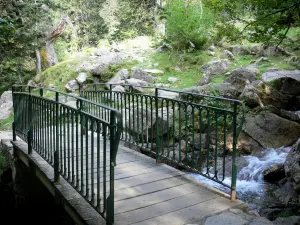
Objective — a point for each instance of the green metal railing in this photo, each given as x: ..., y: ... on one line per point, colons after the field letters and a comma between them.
x: 188, y: 130
x: 72, y: 140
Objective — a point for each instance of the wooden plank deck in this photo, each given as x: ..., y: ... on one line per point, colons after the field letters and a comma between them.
x: 151, y: 193
x: 147, y: 193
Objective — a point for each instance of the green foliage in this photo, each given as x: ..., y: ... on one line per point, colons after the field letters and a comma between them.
x: 135, y: 18
x: 6, y: 124
x: 188, y: 24
x: 225, y: 30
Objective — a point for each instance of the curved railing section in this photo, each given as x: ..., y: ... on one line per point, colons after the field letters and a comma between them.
x: 79, y: 140
x: 189, y: 130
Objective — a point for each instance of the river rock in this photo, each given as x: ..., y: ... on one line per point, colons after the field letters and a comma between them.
x: 72, y: 85
x: 292, y: 167
x: 245, y: 144
x: 6, y: 104
x: 286, y: 81
x: 216, y: 67
x: 140, y: 74
x: 118, y: 88
x: 242, y: 76
x: 272, y: 131
x: 81, y: 78
x: 274, y: 174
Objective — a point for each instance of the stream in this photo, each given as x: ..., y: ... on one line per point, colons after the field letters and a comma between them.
x: 251, y: 187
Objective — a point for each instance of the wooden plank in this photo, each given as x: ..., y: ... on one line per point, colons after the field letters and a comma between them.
x: 159, y: 196
x: 192, y: 214
x: 162, y: 208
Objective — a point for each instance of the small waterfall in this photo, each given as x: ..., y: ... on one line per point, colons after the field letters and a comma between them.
x: 250, y: 178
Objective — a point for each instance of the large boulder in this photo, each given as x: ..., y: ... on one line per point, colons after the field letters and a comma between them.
x: 141, y: 123
x: 136, y: 83
x: 6, y: 104
x: 72, y: 85
x: 81, y: 78
x: 242, y: 76
x: 272, y: 50
x: 119, y: 77
x: 239, y: 50
x: 251, y: 96
x: 99, y: 64
x: 274, y: 174
x: 167, y: 94
x: 272, y: 131
x: 285, y: 81
x: 292, y: 167
x: 216, y: 67
x: 291, y: 115
x: 140, y: 74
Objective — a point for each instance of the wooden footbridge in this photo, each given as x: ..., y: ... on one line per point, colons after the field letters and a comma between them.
x: 82, y: 153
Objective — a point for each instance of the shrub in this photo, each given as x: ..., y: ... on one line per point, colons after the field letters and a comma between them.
x: 188, y: 23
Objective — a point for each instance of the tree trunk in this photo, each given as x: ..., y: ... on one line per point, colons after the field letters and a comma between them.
x: 50, y: 51
x: 38, y: 62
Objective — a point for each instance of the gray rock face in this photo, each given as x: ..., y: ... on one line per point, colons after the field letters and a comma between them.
x: 168, y: 94
x: 6, y: 104
x: 228, y: 54
x: 99, y: 64
x: 292, y: 167
x: 216, y: 67
x: 242, y: 76
x: 287, y: 81
x: 272, y: 51
x: 72, y: 85
x: 140, y: 74
x: 239, y: 50
x: 141, y: 126
x: 81, y: 79
x: 291, y: 220
x: 204, y: 80
x: 118, y: 88
x: 274, y: 173
x: 154, y: 71
x: 172, y: 79
x: 291, y: 115
x: 272, y: 131
x: 225, y: 89
x: 136, y: 82
x: 119, y: 77
x: 250, y: 96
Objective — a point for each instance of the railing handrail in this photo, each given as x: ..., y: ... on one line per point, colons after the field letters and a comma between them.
x: 58, y: 120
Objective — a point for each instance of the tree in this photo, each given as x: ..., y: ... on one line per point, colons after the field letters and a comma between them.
x: 265, y: 20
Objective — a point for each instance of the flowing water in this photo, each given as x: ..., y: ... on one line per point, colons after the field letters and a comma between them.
x: 251, y: 186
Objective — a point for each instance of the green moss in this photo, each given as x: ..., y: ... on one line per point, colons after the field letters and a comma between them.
x: 6, y: 124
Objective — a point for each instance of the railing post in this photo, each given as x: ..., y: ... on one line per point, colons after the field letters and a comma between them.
x: 158, y: 145
x: 113, y: 153
x: 29, y: 120
x: 56, y: 152
x: 234, y: 172
x: 14, y: 124
x: 110, y: 94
